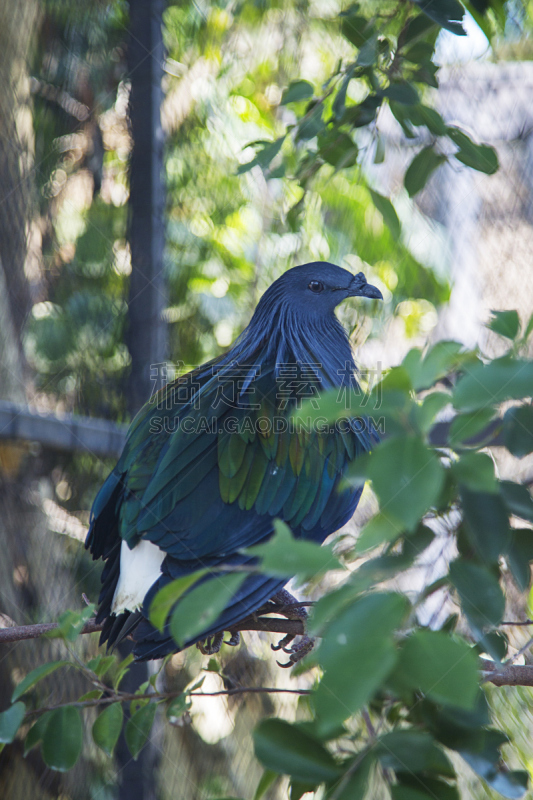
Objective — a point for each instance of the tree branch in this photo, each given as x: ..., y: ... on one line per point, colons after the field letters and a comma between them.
x: 499, y: 675
x: 20, y: 632
x: 268, y: 624
x: 507, y: 675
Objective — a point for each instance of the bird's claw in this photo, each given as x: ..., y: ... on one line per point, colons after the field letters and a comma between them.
x: 212, y: 644
x: 281, y: 645
x: 291, y: 611
x: 235, y: 639
x: 297, y: 651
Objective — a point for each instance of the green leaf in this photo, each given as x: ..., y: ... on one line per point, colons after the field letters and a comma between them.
x: 107, y: 727
x: 478, y: 156
x: 288, y: 750
x: 436, y: 363
x: 268, y: 151
x: 362, y: 635
x: 284, y: 555
x: 486, y: 522
x: 380, y: 529
x: 432, y: 404
x: 416, y: 543
x: 410, y: 750
x: 203, y: 604
x: 406, y: 475
x: 427, y: 73
x: 100, y: 664
x: 368, y: 54
x: 362, y: 114
x: 167, y: 597
x: 476, y: 472
x: 370, y: 573
x: 517, y: 499
x: 446, y: 13
x: 299, y: 789
x: 495, y: 643
x: 519, y: 555
x: 267, y: 779
x: 529, y: 328
x: 356, y: 787
x: 425, y: 115
x: 480, y: 594
x: 518, y: 430
x: 36, y: 732
x: 357, y: 29
x: 338, y: 149
x: 95, y: 694
x: 10, y: 722
x: 70, y: 624
x: 442, y: 668
x: 123, y: 668
x: 418, y: 27
x: 422, y: 787
x: 401, y: 92
x: 35, y: 676
x: 505, y: 323
x: 387, y: 211
x: 297, y: 90
x: 420, y: 169
x: 63, y: 738
x: 312, y: 124
x: 402, y: 792
x: 484, y: 385
x: 138, y: 728
x: 484, y: 757
x: 420, y: 53
x: 465, y: 427
x: 178, y: 706
x: 339, y: 103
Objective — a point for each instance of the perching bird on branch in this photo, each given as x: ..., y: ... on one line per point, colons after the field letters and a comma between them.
x: 212, y: 460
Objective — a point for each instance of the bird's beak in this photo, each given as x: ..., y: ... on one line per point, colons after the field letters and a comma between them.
x: 360, y: 288
x: 371, y: 291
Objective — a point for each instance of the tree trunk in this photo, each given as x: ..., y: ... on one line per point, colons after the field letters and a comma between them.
x: 147, y: 340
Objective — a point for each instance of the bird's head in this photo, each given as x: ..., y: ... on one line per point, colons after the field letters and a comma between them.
x: 295, y: 320
x: 314, y: 290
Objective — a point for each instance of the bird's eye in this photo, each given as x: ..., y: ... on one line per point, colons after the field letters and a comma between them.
x: 316, y: 287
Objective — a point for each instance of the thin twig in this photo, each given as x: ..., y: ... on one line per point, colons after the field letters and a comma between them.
x: 521, y: 652
x: 128, y: 697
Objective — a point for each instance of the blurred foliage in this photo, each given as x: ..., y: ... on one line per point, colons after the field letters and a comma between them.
x: 231, y: 228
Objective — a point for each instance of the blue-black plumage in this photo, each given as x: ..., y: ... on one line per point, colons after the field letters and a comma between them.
x: 211, y: 462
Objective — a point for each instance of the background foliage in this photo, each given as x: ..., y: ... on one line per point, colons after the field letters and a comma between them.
x: 274, y: 116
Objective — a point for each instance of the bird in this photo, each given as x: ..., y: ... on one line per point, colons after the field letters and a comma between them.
x: 211, y: 462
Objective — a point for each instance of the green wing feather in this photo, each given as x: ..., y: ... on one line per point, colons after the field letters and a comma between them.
x: 272, y: 472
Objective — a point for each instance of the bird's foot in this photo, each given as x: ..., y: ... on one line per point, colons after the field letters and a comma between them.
x: 235, y: 639
x: 297, y: 651
x: 212, y: 644
x: 289, y: 607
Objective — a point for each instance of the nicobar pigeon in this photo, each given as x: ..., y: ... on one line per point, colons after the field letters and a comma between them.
x: 185, y: 497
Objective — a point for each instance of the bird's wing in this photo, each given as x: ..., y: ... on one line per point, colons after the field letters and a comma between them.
x: 198, y: 488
